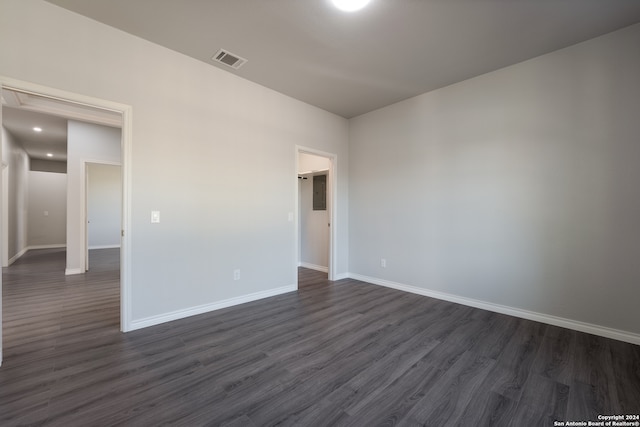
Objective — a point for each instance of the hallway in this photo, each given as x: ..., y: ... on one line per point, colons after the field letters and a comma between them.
x: 45, y: 314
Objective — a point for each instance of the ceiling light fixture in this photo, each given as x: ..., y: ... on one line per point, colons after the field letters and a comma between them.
x: 350, y: 5
x: 49, y: 155
x: 37, y: 129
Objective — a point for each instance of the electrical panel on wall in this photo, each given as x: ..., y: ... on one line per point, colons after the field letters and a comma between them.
x: 320, y: 193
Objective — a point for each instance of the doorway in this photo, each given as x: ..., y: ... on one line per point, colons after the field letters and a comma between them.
x: 103, y: 207
x: 316, y: 203
x: 90, y: 107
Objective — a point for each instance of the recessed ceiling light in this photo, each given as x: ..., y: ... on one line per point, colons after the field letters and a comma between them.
x: 37, y: 129
x: 350, y: 5
x: 49, y: 155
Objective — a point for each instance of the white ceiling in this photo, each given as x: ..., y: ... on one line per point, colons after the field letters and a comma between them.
x: 352, y: 63
x: 21, y: 112
x: 52, y: 139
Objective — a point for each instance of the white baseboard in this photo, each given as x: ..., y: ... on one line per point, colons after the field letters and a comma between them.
x: 33, y: 247
x: 104, y: 247
x: 56, y: 246
x: 589, y: 328
x: 71, y: 271
x: 17, y: 256
x: 314, y: 267
x: 339, y: 276
x: 205, y: 308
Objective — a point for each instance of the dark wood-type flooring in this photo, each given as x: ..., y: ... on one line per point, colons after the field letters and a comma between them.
x: 333, y: 353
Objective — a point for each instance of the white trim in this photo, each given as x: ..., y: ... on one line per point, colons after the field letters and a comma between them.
x: 314, y: 267
x: 54, y: 246
x: 125, y: 252
x: 5, y: 210
x: 17, y: 256
x: 72, y: 271
x: 104, y: 247
x: 127, y: 135
x: 341, y: 276
x: 205, y: 308
x: 589, y: 328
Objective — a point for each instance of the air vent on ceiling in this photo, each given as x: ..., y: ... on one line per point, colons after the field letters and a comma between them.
x: 229, y: 59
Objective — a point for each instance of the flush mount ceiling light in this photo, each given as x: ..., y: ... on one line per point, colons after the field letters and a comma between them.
x: 350, y: 5
x: 49, y: 155
x: 37, y: 129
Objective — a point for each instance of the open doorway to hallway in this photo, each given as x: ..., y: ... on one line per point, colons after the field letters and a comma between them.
x: 46, y: 311
x: 46, y: 146
x: 84, y: 112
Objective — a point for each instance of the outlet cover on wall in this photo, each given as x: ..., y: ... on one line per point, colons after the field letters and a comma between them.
x: 383, y: 263
x: 236, y: 274
x: 155, y: 217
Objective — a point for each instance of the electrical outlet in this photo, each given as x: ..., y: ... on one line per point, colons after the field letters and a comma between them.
x: 383, y: 263
x: 236, y: 274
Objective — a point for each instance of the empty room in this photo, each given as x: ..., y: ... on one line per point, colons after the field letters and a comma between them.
x: 384, y: 212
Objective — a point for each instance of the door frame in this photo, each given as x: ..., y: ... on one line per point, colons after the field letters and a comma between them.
x: 5, y: 214
x: 84, y: 194
x: 125, y: 157
x: 332, y: 204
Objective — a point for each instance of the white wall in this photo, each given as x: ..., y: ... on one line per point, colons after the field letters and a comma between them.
x: 201, y: 140
x: 17, y: 161
x: 47, y: 209
x: 311, y: 163
x: 86, y: 142
x: 519, y: 187
x: 104, y: 205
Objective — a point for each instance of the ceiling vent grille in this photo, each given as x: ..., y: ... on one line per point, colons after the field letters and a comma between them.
x: 229, y: 59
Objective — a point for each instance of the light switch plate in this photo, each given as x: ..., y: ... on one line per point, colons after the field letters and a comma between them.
x: 155, y: 217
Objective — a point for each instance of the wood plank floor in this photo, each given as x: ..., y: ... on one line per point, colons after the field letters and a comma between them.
x: 331, y: 354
